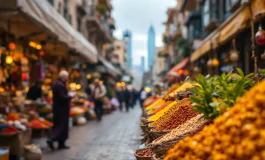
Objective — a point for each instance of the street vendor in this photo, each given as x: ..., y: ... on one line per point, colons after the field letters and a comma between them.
x: 35, y: 91
x: 61, y: 109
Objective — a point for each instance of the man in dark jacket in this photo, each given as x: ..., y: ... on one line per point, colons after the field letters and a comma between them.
x: 126, y: 98
x: 35, y: 91
x: 61, y: 109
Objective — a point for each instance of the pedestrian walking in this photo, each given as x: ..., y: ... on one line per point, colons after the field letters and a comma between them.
x: 126, y: 98
x: 98, y: 93
x: 119, y: 97
x: 61, y: 109
x: 143, y: 96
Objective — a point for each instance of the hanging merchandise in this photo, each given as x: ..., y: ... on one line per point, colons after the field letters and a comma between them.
x: 11, y: 46
x: 40, y: 71
x: 41, y: 53
x: 260, y: 36
x: 25, y: 76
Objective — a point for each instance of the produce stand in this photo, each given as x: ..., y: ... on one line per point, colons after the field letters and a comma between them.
x: 16, y: 142
x: 181, y: 120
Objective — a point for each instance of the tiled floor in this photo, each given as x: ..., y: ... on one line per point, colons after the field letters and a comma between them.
x: 115, y: 138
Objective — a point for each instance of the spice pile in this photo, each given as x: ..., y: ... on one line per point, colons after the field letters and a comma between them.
x: 183, y: 113
x: 162, y: 112
x: 237, y: 134
x: 146, y: 152
x: 163, y: 118
x: 186, y: 127
x: 160, y: 108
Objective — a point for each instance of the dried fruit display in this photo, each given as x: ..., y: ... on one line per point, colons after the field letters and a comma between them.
x: 183, y: 113
x: 237, y: 134
x: 162, y: 112
x: 146, y: 152
x: 166, y: 115
x: 186, y: 127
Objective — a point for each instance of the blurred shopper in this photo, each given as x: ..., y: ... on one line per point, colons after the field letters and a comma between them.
x: 35, y: 91
x: 126, y: 98
x: 119, y: 97
x: 134, y: 97
x: 143, y: 96
x: 61, y: 109
x: 98, y: 93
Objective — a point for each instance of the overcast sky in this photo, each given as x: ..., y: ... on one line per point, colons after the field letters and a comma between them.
x: 137, y: 16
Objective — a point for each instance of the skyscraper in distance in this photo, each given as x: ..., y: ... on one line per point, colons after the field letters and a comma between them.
x: 143, y: 63
x: 151, y: 46
x: 127, y: 37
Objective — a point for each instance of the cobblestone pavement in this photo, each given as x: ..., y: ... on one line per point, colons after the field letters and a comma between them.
x: 116, y: 137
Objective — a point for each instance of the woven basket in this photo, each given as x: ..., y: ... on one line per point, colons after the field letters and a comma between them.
x: 142, y: 158
x: 158, y: 134
x: 162, y: 148
x: 148, y: 132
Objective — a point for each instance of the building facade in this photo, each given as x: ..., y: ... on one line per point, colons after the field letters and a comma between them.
x: 127, y: 37
x: 119, y: 57
x: 143, y: 63
x: 151, y: 46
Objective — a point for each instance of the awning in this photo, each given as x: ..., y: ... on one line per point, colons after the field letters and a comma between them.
x: 179, y: 66
x: 110, y: 68
x: 43, y: 15
x: 232, y: 26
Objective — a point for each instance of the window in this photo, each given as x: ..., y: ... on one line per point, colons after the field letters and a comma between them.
x: 59, y: 9
x: 118, y: 47
x: 70, y: 19
x: 79, y: 24
x: 51, y: 2
x: 206, y: 12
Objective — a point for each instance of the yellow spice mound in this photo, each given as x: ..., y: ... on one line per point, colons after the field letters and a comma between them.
x: 163, y: 118
x: 155, y: 104
x: 161, y: 113
x: 238, y: 134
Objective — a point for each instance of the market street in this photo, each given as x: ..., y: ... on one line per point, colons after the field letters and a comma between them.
x: 115, y: 138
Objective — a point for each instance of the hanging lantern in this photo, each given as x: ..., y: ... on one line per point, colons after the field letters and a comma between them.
x: 196, y: 69
x: 9, y: 59
x: 215, y: 62
x: 260, y: 36
x: 209, y: 63
x: 12, y: 46
x: 180, y: 71
x: 234, y: 56
x: 24, y: 76
x: 41, y: 53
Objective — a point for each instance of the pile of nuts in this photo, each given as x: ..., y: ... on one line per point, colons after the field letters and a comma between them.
x: 146, y: 152
x: 188, y: 126
x: 239, y: 133
x: 200, y: 128
x: 183, y: 114
x: 170, y: 112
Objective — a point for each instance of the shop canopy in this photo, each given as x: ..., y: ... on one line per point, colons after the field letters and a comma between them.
x: 110, y: 68
x: 237, y: 22
x: 178, y: 67
x: 25, y: 13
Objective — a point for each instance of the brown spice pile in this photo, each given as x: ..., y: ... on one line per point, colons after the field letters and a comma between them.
x: 183, y: 114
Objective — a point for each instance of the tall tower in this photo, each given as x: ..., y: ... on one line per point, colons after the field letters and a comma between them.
x: 151, y: 46
x: 143, y: 63
x: 127, y: 37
